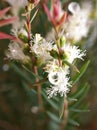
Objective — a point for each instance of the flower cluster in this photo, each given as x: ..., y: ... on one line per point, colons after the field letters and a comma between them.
x: 78, y: 23
x: 74, y: 25
x: 56, y: 57
x: 59, y: 69
x: 41, y: 48
x: 15, y: 52
x: 48, y: 54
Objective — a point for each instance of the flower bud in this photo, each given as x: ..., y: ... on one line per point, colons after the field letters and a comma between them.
x: 23, y: 35
x: 26, y: 48
x: 62, y: 41
x: 73, y: 7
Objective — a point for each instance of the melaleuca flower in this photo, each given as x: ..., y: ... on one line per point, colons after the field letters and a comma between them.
x: 18, y: 3
x: 15, y: 52
x: 76, y: 26
x: 58, y: 78
x: 60, y: 83
x: 41, y: 48
x: 78, y: 23
x: 23, y: 32
x: 37, y: 39
x: 51, y: 66
x: 18, y: 28
x: 72, y: 52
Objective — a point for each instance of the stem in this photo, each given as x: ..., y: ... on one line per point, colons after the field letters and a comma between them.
x: 38, y: 89
x: 40, y: 82
x: 58, y: 46
x: 29, y: 26
x: 64, y: 122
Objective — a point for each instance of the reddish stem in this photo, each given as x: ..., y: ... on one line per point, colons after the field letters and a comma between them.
x: 29, y: 27
x: 38, y: 89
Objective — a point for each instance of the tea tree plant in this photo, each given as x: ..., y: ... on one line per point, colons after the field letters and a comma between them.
x: 48, y: 66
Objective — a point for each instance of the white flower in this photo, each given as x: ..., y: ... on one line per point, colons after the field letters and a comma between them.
x: 78, y: 23
x: 73, y: 7
x: 60, y: 83
x: 16, y: 6
x: 52, y: 66
x: 41, y: 48
x: 73, y: 52
x: 23, y: 31
x: 18, y: 27
x: 15, y: 51
x: 18, y: 3
x: 38, y: 39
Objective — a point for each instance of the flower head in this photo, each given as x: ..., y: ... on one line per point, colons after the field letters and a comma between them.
x: 75, y: 26
x: 40, y: 47
x: 15, y: 52
x: 72, y: 52
x: 60, y: 83
x: 78, y: 23
x: 18, y: 3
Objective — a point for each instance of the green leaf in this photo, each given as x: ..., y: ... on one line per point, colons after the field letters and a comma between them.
x: 53, y: 117
x: 78, y: 110
x: 52, y: 103
x: 23, y: 74
x: 30, y: 91
x: 50, y: 4
x: 80, y: 95
x: 72, y: 99
x: 61, y: 107
x: 73, y: 122
x: 30, y: 72
x: 31, y: 94
x: 80, y: 92
x: 82, y: 71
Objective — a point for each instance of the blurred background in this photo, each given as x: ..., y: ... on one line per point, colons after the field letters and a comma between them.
x: 15, y: 102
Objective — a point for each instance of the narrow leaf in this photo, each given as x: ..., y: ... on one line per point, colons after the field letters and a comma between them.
x: 48, y: 14
x: 72, y: 99
x: 53, y: 104
x: 3, y: 11
x: 73, y: 122
x: 22, y: 74
x: 34, y: 16
x: 53, y: 117
x: 82, y: 71
x: 31, y: 91
x: 6, y: 36
x: 7, y: 21
x: 78, y: 110
x: 80, y: 91
x: 30, y: 72
x: 80, y: 95
x: 61, y: 107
